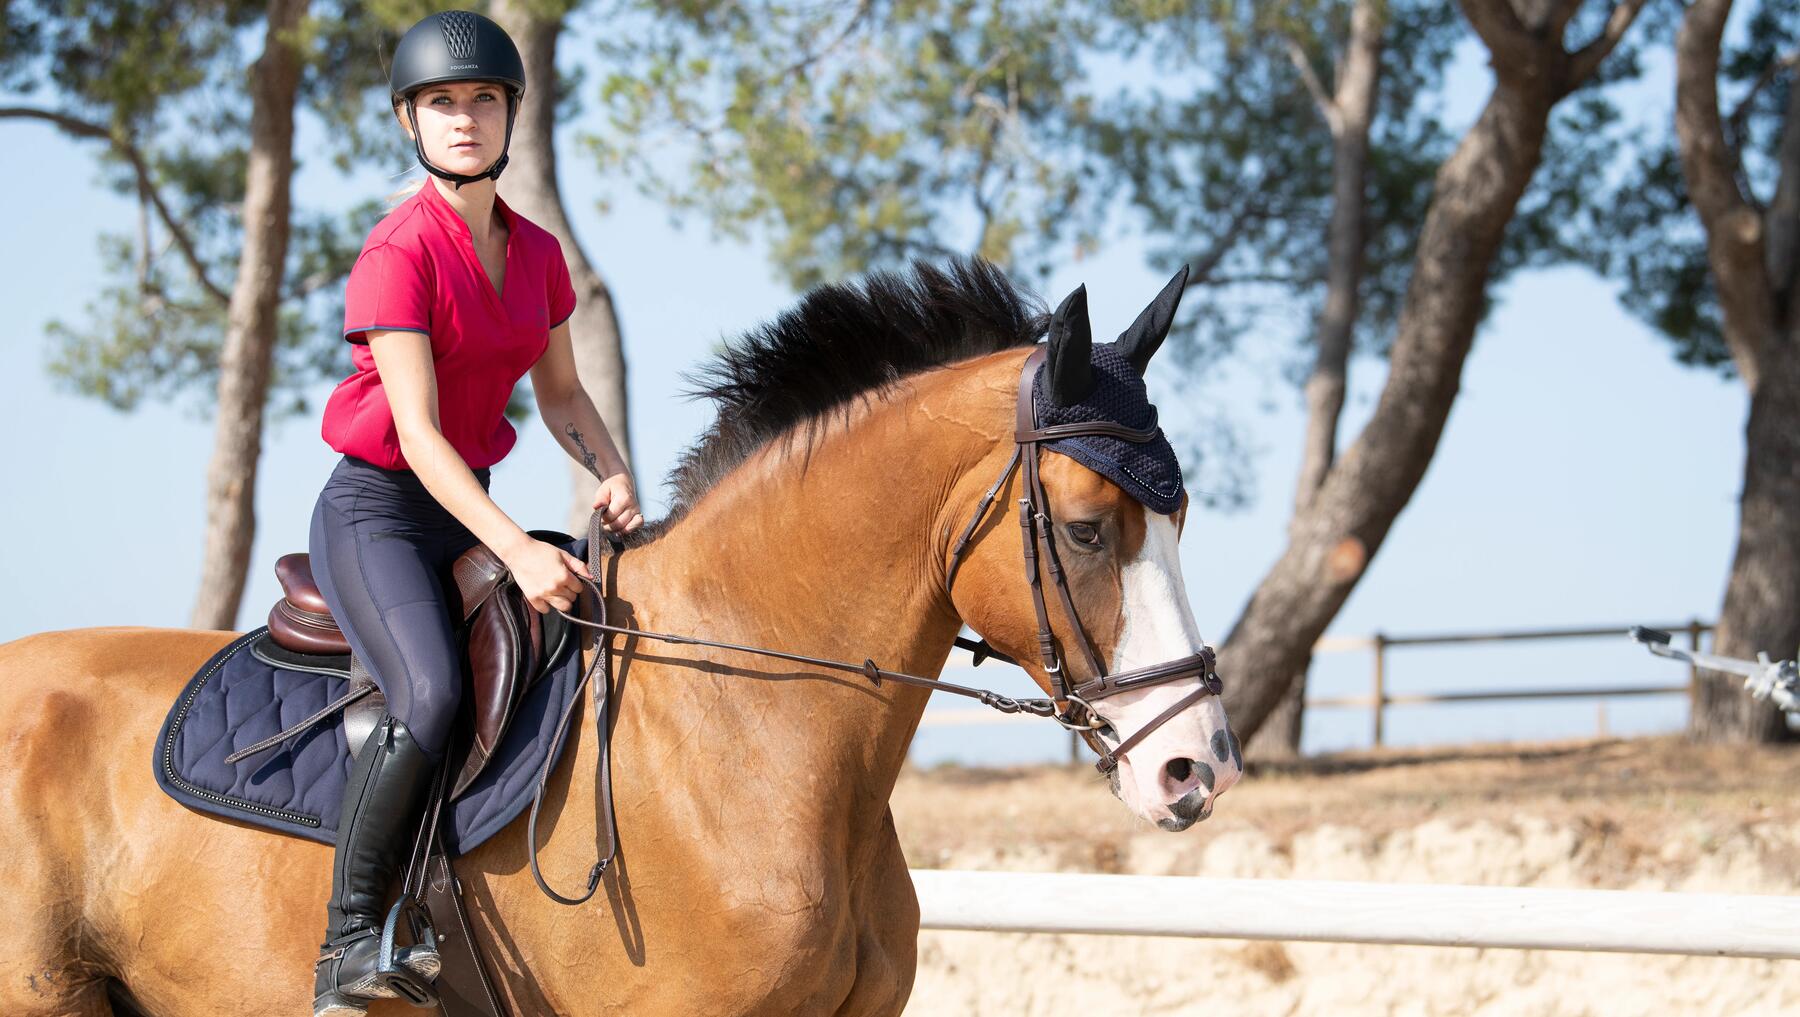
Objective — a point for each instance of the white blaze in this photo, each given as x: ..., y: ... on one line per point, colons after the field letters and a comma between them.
x: 1159, y: 627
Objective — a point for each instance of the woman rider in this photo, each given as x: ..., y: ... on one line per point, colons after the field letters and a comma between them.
x: 454, y: 297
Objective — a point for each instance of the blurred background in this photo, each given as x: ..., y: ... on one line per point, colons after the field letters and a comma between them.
x: 1495, y: 196
x: 1487, y: 353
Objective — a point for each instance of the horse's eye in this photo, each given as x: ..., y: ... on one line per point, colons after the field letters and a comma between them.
x: 1084, y: 533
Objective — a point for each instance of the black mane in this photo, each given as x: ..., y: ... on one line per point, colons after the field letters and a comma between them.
x: 841, y: 342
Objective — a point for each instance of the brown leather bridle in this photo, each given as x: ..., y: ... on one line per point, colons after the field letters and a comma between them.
x: 1038, y: 533
x: 1075, y: 711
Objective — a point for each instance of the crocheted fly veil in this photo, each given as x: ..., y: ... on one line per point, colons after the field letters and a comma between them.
x: 1084, y: 383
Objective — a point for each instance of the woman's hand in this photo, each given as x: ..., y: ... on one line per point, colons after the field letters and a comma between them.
x: 616, y: 501
x: 547, y: 575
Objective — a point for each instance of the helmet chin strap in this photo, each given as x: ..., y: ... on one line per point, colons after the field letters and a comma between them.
x: 459, y: 179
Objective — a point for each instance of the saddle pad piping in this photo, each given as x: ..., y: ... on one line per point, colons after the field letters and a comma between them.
x: 166, y: 760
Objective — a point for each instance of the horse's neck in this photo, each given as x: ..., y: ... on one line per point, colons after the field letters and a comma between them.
x: 833, y: 552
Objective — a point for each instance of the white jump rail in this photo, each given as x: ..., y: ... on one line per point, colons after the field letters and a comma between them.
x: 1614, y: 921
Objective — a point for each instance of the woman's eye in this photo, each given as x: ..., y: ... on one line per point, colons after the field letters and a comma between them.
x: 1084, y: 533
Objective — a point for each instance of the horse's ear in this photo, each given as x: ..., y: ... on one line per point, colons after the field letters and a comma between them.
x: 1139, y: 342
x: 1071, y: 349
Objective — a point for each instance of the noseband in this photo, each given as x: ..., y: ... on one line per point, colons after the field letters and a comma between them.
x: 1039, y: 538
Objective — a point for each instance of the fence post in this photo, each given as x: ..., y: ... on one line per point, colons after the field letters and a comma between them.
x: 1695, y: 627
x: 1380, y: 688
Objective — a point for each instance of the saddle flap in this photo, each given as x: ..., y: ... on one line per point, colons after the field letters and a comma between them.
x: 502, y: 655
x: 478, y: 573
x: 507, y: 651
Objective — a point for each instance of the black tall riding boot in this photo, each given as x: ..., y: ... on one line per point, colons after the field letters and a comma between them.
x: 381, y: 810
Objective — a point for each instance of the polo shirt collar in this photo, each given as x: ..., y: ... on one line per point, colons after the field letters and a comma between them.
x: 453, y: 220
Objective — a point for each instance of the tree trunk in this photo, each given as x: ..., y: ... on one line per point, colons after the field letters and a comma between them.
x: 1475, y: 195
x: 531, y: 188
x: 1752, y: 258
x: 245, y: 360
x: 1348, y: 113
x: 1349, y: 116
x: 1279, y: 736
x: 1762, y: 597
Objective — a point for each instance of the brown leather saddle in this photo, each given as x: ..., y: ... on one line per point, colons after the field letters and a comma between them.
x: 510, y: 646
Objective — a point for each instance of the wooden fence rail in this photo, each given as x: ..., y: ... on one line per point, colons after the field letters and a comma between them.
x: 1379, y: 699
x: 1525, y: 918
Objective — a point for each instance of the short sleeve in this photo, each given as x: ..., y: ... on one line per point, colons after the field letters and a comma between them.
x: 388, y: 289
x: 561, y: 293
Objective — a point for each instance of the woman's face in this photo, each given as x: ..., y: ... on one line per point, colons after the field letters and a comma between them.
x: 462, y: 124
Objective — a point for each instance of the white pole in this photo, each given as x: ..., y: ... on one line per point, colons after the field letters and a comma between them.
x: 1705, y: 924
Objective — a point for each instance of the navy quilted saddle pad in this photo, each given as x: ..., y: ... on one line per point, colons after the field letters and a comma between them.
x: 242, y: 696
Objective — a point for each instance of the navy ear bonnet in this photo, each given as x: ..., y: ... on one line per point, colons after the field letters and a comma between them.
x: 1148, y: 470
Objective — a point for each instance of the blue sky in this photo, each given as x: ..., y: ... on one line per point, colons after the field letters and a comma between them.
x: 1584, y: 478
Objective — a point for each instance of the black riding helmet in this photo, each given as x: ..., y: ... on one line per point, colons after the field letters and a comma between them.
x: 457, y: 46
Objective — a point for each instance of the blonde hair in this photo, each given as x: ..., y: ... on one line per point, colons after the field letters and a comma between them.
x: 407, y: 190
x: 411, y: 186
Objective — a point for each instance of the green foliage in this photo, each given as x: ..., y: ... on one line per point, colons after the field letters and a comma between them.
x: 1558, y: 216
x: 170, y: 79
x: 1657, y: 248
x: 345, y: 86
x: 860, y: 136
x: 137, y: 345
x: 1648, y: 236
x: 118, y: 56
x: 854, y: 136
x: 159, y: 340
x: 857, y: 136
x: 1229, y: 163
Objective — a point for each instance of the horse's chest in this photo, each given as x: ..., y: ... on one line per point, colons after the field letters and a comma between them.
x: 751, y: 941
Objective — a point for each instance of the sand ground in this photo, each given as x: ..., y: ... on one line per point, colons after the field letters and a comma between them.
x: 1642, y: 814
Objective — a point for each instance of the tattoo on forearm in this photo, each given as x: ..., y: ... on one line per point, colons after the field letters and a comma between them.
x: 588, y: 458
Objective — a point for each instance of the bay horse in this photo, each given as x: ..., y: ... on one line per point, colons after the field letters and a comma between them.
x: 758, y: 871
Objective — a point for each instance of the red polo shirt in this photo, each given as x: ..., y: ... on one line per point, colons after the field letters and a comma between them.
x: 418, y: 272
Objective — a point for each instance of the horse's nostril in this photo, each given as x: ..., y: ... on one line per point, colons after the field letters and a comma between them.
x: 1205, y: 773
x: 1180, y: 771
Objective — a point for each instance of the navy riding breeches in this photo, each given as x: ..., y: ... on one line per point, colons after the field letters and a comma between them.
x: 381, y: 551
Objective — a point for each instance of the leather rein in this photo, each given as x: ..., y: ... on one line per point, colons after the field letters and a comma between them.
x: 1040, y: 555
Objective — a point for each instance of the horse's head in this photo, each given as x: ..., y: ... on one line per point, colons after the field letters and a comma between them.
x: 1109, y: 507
